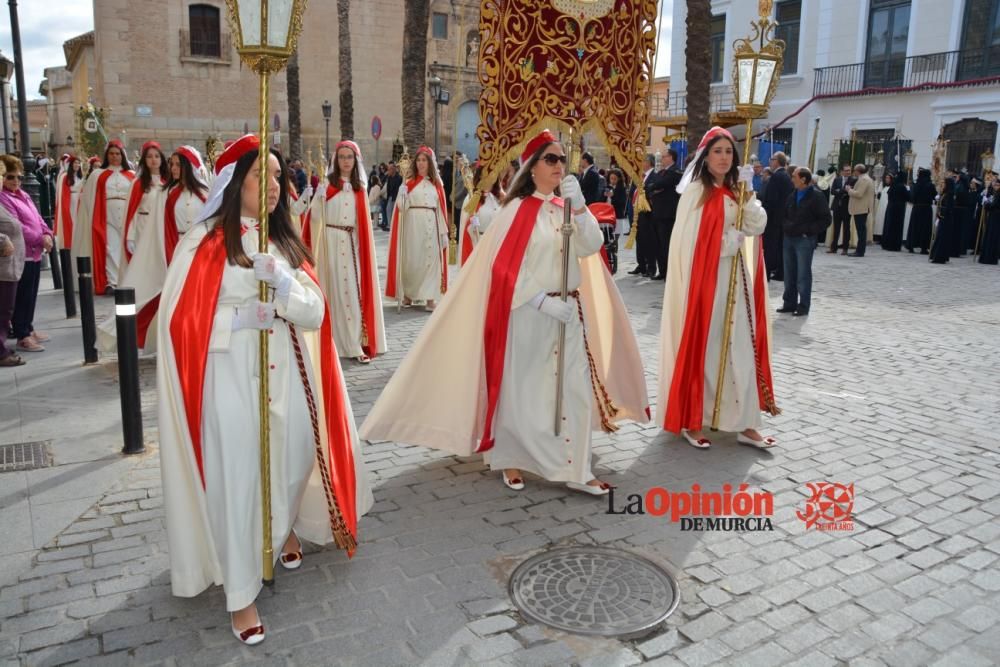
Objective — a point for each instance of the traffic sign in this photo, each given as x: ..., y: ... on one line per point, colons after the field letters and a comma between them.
x: 376, y: 128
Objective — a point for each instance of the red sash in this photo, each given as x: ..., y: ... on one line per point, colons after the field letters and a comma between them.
x: 466, y: 236
x: 171, y: 237
x: 390, y: 280
x: 760, y: 320
x: 99, y: 230
x: 365, y: 269
x: 190, y: 333
x: 64, y: 216
x: 685, y: 402
x: 503, y: 279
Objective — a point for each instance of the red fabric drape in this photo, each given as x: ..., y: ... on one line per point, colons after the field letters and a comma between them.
x: 390, y: 280
x: 687, y: 387
x: 99, y: 230
x: 144, y: 319
x: 503, y: 279
x: 134, y: 199
x: 466, y: 236
x: 760, y: 320
x: 171, y: 237
x: 64, y: 217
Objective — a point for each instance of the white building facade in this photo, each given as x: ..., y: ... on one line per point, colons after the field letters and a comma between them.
x: 913, y: 69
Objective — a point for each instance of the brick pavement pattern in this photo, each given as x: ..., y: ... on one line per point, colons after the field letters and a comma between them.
x: 890, y: 384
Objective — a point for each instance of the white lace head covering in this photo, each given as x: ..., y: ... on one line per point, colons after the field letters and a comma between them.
x: 224, y: 168
x: 192, y: 155
x: 333, y: 170
x: 689, y: 172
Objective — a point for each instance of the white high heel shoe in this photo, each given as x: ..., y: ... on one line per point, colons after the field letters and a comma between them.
x: 251, y: 636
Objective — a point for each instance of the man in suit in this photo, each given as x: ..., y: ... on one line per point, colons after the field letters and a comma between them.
x: 779, y: 188
x: 841, y: 218
x: 590, y: 180
x: 661, y: 191
x: 644, y: 257
x: 861, y: 202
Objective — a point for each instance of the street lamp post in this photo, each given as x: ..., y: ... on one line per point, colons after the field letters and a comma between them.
x: 266, y: 33
x: 6, y: 70
x: 441, y: 97
x: 327, y: 112
x: 30, y: 184
x: 756, y: 70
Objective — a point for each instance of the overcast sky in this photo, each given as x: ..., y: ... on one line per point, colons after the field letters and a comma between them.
x: 46, y: 24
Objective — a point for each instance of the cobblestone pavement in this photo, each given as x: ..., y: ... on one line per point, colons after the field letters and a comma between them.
x: 890, y: 384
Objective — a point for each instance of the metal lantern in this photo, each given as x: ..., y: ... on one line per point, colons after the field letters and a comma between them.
x: 878, y: 171
x: 908, y: 158
x: 988, y: 160
x: 832, y: 158
x: 266, y: 32
x: 757, y: 65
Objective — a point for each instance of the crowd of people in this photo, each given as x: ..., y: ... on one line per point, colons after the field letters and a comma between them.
x: 508, y: 365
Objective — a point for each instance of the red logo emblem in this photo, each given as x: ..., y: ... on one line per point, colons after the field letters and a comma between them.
x: 829, y: 507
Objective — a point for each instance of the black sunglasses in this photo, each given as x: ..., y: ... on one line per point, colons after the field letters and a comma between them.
x: 553, y: 159
x: 11, y: 177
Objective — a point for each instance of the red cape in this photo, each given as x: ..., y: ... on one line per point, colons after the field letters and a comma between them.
x: 99, y: 229
x: 390, y: 279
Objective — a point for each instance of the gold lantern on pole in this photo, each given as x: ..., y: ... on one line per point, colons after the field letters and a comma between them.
x: 756, y: 71
x: 266, y: 32
x: 987, y: 159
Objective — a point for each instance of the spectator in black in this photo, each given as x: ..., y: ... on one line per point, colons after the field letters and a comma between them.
x: 447, y: 171
x: 943, y: 244
x: 301, y: 179
x: 922, y: 195
x: 806, y: 216
x: 663, y: 197
x: 393, y: 181
x: 590, y: 180
x: 644, y: 235
x: 841, y: 217
x: 618, y: 198
x: 775, y: 200
x: 895, y: 213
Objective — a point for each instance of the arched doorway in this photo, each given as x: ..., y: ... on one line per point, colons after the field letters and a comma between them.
x: 967, y: 140
x: 468, y: 121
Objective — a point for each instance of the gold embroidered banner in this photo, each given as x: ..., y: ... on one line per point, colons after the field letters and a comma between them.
x: 567, y: 65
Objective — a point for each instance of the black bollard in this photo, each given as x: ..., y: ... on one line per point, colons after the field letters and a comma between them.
x: 57, y: 278
x: 87, y: 322
x: 69, y: 296
x: 128, y: 370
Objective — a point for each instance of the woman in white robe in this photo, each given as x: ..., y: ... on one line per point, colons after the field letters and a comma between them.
x: 418, y: 245
x: 473, y: 224
x: 186, y: 195
x: 482, y: 375
x: 69, y: 187
x: 344, y: 245
x: 702, y: 248
x: 101, y: 216
x: 143, y: 266
x: 208, y: 383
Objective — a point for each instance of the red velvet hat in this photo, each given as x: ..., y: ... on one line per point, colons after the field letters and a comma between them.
x: 236, y: 150
x: 544, y: 137
x: 150, y: 144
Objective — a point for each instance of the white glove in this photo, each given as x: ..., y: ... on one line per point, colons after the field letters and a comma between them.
x: 474, y: 222
x: 746, y: 176
x: 557, y: 309
x: 732, y: 241
x: 571, y: 192
x: 308, y: 192
x: 131, y: 247
x: 403, y: 192
x: 267, y: 269
x: 254, y: 315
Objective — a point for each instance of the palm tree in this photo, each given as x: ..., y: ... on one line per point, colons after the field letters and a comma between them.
x: 417, y: 15
x: 346, y: 80
x: 698, y: 57
x: 294, y: 107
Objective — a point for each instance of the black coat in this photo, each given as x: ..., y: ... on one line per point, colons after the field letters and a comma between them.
x: 590, y: 186
x: 838, y: 195
x: 810, y: 217
x: 922, y: 196
x: 661, y: 192
x: 779, y: 186
x: 619, y: 199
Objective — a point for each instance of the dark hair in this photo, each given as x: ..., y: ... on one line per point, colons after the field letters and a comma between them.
x: 618, y: 174
x: 890, y: 176
x: 355, y: 178
x: 279, y: 223
x: 706, y: 178
x: 820, y: 172
x: 187, y: 179
x: 804, y: 174
x: 650, y: 160
x: 126, y: 165
x: 145, y: 177
x: 523, y: 185
x: 672, y: 153
x: 588, y: 157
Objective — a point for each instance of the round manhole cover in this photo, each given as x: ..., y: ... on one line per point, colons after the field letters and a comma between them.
x: 594, y: 591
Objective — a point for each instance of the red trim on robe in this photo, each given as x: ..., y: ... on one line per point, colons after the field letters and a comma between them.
x: 466, y: 236
x: 64, y: 216
x: 503, y: 279
x: 171, y: 236
x: 760, y: 321
x: 685, y: 403
x: 366, y: 271
x: 99, y: 230
x: 390, y: 279
x: 143, y: 320
x: 190, y: 333
x: 134, y: 199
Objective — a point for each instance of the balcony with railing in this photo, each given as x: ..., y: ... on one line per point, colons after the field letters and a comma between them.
x: 670, y: 109
x: 206, y: 48
x: 886, y: 75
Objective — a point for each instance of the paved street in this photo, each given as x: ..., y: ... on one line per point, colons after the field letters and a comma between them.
x: 891, y: 384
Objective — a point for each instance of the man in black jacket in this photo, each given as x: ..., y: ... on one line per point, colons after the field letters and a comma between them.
x: 590, y: 180
x: 661, y: 191
x: 839, y: 202
x: 644, y: 234
x: 779, y: 186
x: 806, y: 215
